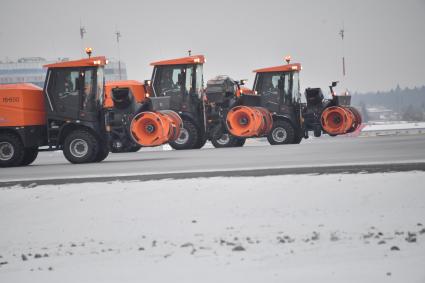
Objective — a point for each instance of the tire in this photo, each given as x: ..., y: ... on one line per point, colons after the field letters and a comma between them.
x: 12, y: 150
x: 188, y: 138
x: 80, y: 146
x: 239, y: 142
x: 134, y: 148
x: 30, y: 155
x: 282, y: 132
x: 220, y: 139
x: 318, y: 131
x: 201, y: 142
x: 102, y: 153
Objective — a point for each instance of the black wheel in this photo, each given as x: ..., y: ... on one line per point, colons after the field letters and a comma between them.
x: 102, y: 153
x: 317, y: 131
x: 80, y: 146
x: 134, y: 148
x: 201, y: 142
x: 221, y: 139
x: 11, y: 150
x: 188, y: 138
x: 239, y: 142
x: 30, y: 155
x: 281, y: 133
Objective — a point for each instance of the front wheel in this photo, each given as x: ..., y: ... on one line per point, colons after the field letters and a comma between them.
x: 188, y: 137
x: 80, y: 146
x: 282, y: 132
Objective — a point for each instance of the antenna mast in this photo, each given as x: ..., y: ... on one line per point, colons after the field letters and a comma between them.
x: 342, y: 33
x: 118, y: 35
x: 83, y: 31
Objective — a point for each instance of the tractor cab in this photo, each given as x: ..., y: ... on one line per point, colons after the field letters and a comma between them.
x: 279, y: 88
x: 182, y: 80
x: 74, y: 90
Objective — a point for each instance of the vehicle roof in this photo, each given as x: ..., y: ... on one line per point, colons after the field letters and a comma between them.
x: 88, y: 62
x: 20, y: 86
x: 123, y: 83
x: 283, y: 68
x: 195, y: 59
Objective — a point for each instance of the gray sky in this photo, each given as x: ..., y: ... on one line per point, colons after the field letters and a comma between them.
x: 384, y: 43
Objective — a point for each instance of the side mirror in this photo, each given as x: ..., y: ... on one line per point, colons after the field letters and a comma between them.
x: 334, y: 83
x: 147, y: 82
x: 243, y: 82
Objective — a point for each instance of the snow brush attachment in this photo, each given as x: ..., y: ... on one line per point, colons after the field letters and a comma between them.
x: 247, y: 121
x: 340, y: 120
x: 155, y: 128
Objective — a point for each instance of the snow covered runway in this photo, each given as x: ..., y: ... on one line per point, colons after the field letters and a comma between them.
x: 293, y: 228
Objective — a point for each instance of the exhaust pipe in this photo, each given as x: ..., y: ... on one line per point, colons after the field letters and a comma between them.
x: 155, y: 128
x: 247, y: 121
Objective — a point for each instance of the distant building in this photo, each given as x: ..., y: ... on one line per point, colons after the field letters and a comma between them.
x: 30, y: 70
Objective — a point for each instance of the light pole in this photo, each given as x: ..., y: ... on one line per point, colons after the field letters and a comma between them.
x: 341, y: 33
x: 82, y: 33
x: 118, y: 34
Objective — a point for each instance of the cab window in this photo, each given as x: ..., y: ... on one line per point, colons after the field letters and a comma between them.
x: 89, y: 91
x: 169, y: 80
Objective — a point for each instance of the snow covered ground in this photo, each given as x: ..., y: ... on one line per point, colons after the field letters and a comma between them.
x: 302, y: 228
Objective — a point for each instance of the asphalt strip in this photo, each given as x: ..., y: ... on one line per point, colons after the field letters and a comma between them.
x: 334, y: 169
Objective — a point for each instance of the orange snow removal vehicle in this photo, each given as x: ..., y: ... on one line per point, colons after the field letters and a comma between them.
x: 77, y: 114
x: 277, y: 112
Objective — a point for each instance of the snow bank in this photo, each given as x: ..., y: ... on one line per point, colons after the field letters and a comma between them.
x: 396, y: 126
x: 303, y: 228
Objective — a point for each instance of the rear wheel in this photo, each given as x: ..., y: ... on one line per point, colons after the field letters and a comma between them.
x: 239, y: 142
x: 135, y: 148
x: 188, y: 138
x: 220, y: 139
x: 102, y: 153
x: 30, y: 155
x: 282, y: 132
x: 11, y: 150
x: 201, y: 142
x: 80, y: 146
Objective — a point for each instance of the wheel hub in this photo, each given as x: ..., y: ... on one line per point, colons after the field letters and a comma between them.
x: 79, y: 148
x: 279, y: 135
x: 243, y: 121
x: 224, y: 139
x: 6, y: 151
x: 183, y: 137
x: 150, y: 128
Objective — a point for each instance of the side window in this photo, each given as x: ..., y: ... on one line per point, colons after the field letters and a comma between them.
x: 296, y: 87
x: 88, y: 97
x: 63, y: 87
x: 269, y: 84
x: 199, y: 79
x: 169, y: 80
x: 189, y: 80
x: 286, y: 91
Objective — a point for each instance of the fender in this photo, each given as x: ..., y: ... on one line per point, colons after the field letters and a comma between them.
x: 191, y: 117
x: 286, y: 118
x: 67, y: 127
